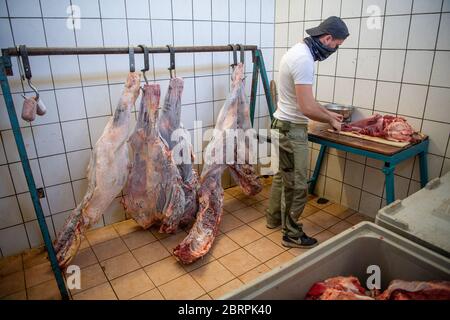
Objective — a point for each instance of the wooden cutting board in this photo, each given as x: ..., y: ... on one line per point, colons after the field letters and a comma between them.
x: 370, y: 138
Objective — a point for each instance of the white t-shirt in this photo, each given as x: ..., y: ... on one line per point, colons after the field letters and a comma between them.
x: 296, y: 67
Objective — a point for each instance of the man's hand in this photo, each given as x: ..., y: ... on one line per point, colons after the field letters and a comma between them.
x: 335, y: 124
x: 336, y: 116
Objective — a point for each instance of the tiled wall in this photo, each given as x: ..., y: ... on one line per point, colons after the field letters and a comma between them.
x: 81, y: 92
x: 402, y: 68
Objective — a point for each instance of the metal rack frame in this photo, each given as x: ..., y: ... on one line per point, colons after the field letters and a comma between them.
x: 6, y: 70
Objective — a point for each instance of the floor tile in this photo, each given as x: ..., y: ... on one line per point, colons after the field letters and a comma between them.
x: 323, y: 219
x: 247, y: 214
x: 314, y: 203
x: 34, y: 257
x: 127, y: 226
x: 260, y: 226
x: 324, y: 236
x: 229, y: 222
x: 207, y: 258
x: 263, y: 249
x: 153, y: 294
x: 239, y: 262
x: 243, y: 235
x: 308, y: 210
x: 10, y: 265
x: 222, y: 245
x: 357, y: 218
x: 234, y: 191
x: 254, y: 273
x: 90, y: 277
x: 226, y: 288
x: 45, y: 291
x: 132, y: 284
x: 138, y: 239
x: 212, y: 275
x: 339, y: 227
x: 12, y: 283
x: 234, y: 204
x: 298, y: 251
x: 280, y: 259
x: 275, y: 237
x: 150, y: 253
x: 101, y: 235
x: 21, y: 295
x: 310, y: 228
x: 109, y: 249
x: 120, y: 265
x: 101, y: 292
x: 84, y: 243
x: 38, y: 274
x: 158, y: 235
x: 164, y: 270
x: 182, y: 288
x: 173, y: 240
x: 84, y: 258
x: 204, y: 297
x: 339, y: 210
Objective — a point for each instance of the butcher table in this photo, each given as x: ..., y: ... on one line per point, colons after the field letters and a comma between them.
x: 390, y: 155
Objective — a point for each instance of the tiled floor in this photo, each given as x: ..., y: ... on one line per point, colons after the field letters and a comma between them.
x: 125, y: 262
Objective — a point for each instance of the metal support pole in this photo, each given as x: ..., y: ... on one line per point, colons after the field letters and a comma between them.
x: 388, y: 171
x: 265, y: 82
x: 423, y: 168
x: 315, y: 177
x: 254, y: 91
x: 4, y: 62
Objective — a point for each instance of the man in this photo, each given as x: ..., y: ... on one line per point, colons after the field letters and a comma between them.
x: 295, y: 106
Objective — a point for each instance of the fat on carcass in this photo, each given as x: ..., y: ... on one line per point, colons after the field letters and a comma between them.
x: 233, y: 115
x: 107, y: 174
x: 178, y: 140
x: 153, y: 192
x: 416, y: 290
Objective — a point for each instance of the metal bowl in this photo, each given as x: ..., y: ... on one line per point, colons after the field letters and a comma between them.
x: 345, y: 111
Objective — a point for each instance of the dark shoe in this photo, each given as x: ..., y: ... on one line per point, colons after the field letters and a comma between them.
x: 272, y: 225
x: 304, y: 242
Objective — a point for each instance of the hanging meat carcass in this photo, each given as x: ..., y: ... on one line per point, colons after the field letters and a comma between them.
x: 387, y: 126
x: 177, y: 138
x: 235, y: 114
x: 153, y: 193
x: 107, y: 174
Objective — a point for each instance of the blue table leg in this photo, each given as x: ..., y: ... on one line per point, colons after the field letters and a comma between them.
x: 313, y: 180
x: 388, y: 171
x: 423, y: 168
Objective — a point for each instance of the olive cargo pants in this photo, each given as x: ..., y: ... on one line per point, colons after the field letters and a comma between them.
x: 289, y: 186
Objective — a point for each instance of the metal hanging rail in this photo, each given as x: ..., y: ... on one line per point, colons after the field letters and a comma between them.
x: 6, y: 70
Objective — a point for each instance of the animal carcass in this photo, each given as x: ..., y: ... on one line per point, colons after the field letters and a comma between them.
x: 153, y: 193
x: 416, y: 290
x: 233, y: 115
x: 107, y: 174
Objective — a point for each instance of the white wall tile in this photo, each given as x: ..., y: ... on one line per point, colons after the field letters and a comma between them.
x: 188, y: 116
x: 373, y: 7
x: 48, y: 139
x: 115, y: 32
x: 54, y: 169
x: 343, y: 91
x: 369, y: 204
x: 252, y: 34
x: 20, y: 183
x: 267, y: 35
x: 139, y: 33
x: 202, y: 9
x: 441, y: 69
x: 2, y: 154
x: 444, y: 33
x: 88, y: 8
x: 66, y: 71
x: 391, y: 65
x: 395, y: 34
x: 96, y: 127
x: 13, y: 240
x: 350, y: 196
x: 237, y: 32
x: 221, y: 87
x: 24, y: 8
x: 219, y: 33
x: 27, y: 208
x: 182, y: 9
x: 404, y: 168
x: 11, y: 148
x: 373, y: 181
x: 137, y: 9
x: 281, y: 35
x: 78, y: 163
x: 252, y: 10
x: 93, y: 69
x: 313, y: 10
x: 398, y: 7
x: 367, y: 64
x: 423, y: 6
x: 438, y: 133
x: 412, y: 100
x: 29, y: 32
x: 79, y: 189
x: 117, y: 67
x: 446, y: 166
x: 328, y: 66
x: 364, y: 93
x: 296, y: 10
x: 335, y: 167
x: 3, y: 9
x: 183, y: 35
x: 97, y: 101
x: 188, y: 96
x: 331, y: 8
x: 351, y: 8
x: 205, y: 113
x: 114, y: 213
x: 446, y: 6
x: 60, y: 198
x: 76, y: 135
x: 354, y: 173
x: 353, y: 29
x: 10, y: 212
x: 434, y: 164
x: 435, y: 109
x: 267, y: 10
x: 6, y: 187
x: 423, y: 31
x: 295, y: 33
x: 204, y: 89
x: 6, y: 38
x: 203, y: 63
x: 281, y: 10
x: 57, y: 33
x: 346, y: 62
x: 55, y: 8
x: 333, y: 190
x: 34, y: 232
x: 418, y: 67
x: 202, y: 33
x: 59, y: 220
x: 220, y: 10
x: 387, y: 96
x: 70, y: 104
x: 325, y: 88
x: 90, y: 33
x: 371, y: 32
x: 237, y: 10
x: 112, y: 8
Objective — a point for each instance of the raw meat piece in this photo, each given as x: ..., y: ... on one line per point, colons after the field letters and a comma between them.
x: 233, y: 115
x: 416, y: 290
x: 169, y: 122
x: 350, y: 285
x: 335, y: 294
x: 154, y: 192
x: 29, y: 109
x: 107, y: 174
x: 387, y: 127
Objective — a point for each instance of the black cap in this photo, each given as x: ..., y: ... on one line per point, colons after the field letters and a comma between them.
x: 333, y: 26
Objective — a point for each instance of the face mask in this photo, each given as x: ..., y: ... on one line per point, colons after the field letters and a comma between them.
x: 318, y: 50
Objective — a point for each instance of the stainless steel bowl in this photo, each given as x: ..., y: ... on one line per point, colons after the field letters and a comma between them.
x: 346, y: 111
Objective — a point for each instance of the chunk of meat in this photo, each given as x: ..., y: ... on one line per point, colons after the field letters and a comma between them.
x: 388, y: 127
x: 29, y: 109
x: 153, y: 193
x: 335, y: 294
x: 233, y: 115
x: 350, y: 285
x: 107, y: 174
x: 177, y: 138
x: 416, y: 290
